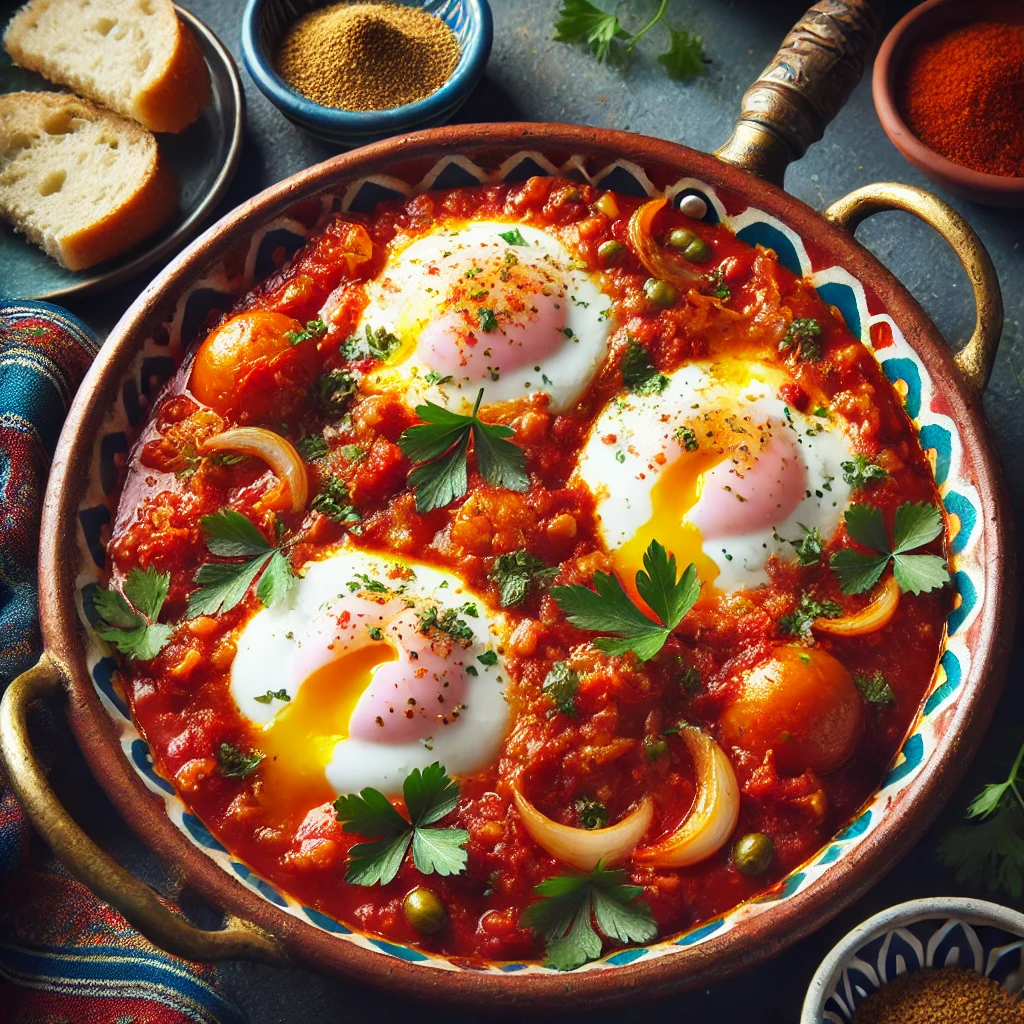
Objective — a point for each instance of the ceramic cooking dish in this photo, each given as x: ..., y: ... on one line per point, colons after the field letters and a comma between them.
x: 783, y: 112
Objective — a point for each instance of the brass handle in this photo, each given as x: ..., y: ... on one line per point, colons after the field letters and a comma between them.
x: 139, y: 905
x: 803, y: 87
x: 975, y: 359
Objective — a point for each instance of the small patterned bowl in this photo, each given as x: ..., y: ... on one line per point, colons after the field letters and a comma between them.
x: 944, y: 931
x: 265, y: 21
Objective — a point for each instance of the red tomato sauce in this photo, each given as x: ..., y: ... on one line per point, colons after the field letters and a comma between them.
x: 181, y: 700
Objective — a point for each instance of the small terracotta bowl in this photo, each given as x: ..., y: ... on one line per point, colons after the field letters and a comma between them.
x: 927, y: 21
x: 943, y: 931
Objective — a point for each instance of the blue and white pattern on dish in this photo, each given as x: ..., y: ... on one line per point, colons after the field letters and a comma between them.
x: 939, y: 435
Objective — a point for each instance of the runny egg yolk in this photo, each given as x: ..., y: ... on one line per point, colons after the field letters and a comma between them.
x: 301, y: 738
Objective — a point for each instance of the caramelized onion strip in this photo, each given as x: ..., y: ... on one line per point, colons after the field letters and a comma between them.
x: 651, y: 255
x: 713, y: 816
x: 875, y: 615
x: 582, y: 847
x: 275, y: 451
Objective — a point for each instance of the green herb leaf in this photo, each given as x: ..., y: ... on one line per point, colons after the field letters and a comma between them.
x: 376, y: 344
x: 237, y: 763
x: 808, y: 547
x: 313, y: 330
x: 638, y: 374
x: 332, y: 500
x: 223, y: 584
x: 516, y: 573
x: 429, y: 795
x: 229, y: 534
x: 447, y: 623
x: 799, y: 621
x: 276, y: 581
x: 915, y: 525
x: 563, y: 916
x: 334, y: 390
x: 272, y: 695
x: 592, y: 813
x: 876, y: 690
x: 990, y: 854
x: 133, y: 628
x: 561, y: 684
x: 513, y: 237
x: 858, y: 572
x: 488, y: 321
x: 861, y: 473
x: 864, y: 525
x: 685, y: 57
x: 609, y: 609
x: 802, y: 335
x: 579, y: 21
x: 313, y: 447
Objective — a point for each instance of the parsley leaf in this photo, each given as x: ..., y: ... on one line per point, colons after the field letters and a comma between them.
x: 429, y: 796
x: 638, y: 374
x: 685, y: 57
x: 516, y: 573
x: 808, y: 548
x: 313, y: 330
x: 861, y: 473
x: 592, y: 813
x: 272, y: 695
x: 513, y: 237
x: 800, y: 620
x: 332, y: 500
x: 222, y: 585
x: 561, y: 684
x: 488, y: 321
x: 448, y: 622
x: 915, y: 525
x: 570, y: 905
x: 237, y: 763
x: 439, y: 447
x: 334, y: 390
x: 131, y: 624
x: 875, y: 690
x: 579, y: 21
x: 802, y: 334
x: 611, y: 610
x: 375, y: 344
x: 313, y: 447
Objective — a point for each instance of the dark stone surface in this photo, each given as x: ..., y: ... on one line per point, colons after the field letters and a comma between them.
x: 532, y: 78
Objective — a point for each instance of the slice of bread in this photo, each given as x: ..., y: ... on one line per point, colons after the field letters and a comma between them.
x: 81, y: 182
x: 134, y: 56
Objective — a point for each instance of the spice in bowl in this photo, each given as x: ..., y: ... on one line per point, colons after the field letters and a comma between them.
x: 945, y: 995
x: 963, y: 97
x: 356, y: 56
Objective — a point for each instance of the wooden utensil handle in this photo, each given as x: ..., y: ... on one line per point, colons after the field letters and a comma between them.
x: 804, y: 86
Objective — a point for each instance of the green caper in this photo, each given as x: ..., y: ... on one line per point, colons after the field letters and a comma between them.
x: 655, y: 748
x: 660, y: 293
x: 424, y: 911
x: 698, y: 251
x: 753, y: 853
x: 611, y: 252
x: 680, y: 238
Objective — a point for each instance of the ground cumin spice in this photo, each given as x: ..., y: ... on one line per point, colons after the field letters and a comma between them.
x: 963, y: 96
x: 367, y: 56
x: 945, y: 995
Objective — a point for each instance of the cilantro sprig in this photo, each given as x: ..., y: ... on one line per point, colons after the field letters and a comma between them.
x: 222, y: 585
x: 579, y: 21
x: 609, y: 609
x: 569, y: 907
x: 916, y: 524
x: 429, y: 796
x: 129, y: 621
x: 517, y: 573
x: 438, y: 447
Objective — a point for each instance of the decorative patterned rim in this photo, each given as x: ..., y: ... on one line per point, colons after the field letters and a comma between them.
x: 839, y: 871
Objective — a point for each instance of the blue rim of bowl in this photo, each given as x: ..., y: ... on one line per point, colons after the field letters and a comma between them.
x: 975, y: 911
x: 369, y: 122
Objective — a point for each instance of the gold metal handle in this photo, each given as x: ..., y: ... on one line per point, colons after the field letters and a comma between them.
x: 238, y: 940
x: 804, y: 86
x: 975, y: 359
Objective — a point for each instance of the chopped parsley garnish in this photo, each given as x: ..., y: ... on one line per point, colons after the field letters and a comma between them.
x: 716, y: 282
x: 638, y: 375
x: 801, y: 619
x: 332, y: 500
x: 334, y: 390
x: 313, y: 330
x: 313, y: 447
x: 222, y: 585
x: 561, y: 684
x: 488, y: 321
x: 448, y: 622
x: 916, y: 524
x: 429, y: 795
x: 516, y: 573
x: 591, y: 813
x: 687, y: 437
x: 579, y: 21
x: 690, y: 680
x: 237, y: 763
x: 802, y: 335
x: 513, y: 237
x: 353, y: 452
x: 376, y: 344
x: 438, y: 446
x: 433, y: 377
x: 875, y: 689
x: 571, y: 904
x: 609, y: 609
x: 808, y: 547
x: 376, y: 633
x: 488, y: 658
x: 367, y: 583
x: 271, y: 695
x: 131, y: 624
x: 861, y: 473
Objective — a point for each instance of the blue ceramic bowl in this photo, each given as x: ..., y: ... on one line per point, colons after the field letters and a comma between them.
x: 265, y: 21
x: 945, y: 931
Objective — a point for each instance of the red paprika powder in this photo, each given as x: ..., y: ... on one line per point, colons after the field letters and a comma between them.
x: 963, y: 96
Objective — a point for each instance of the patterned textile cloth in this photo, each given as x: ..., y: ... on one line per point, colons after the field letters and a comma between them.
x: 65, y: 957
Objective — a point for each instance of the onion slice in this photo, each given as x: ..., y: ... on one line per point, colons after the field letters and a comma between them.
x: 875, y: 615
x: 276, y: 452
x: 582, y: 847
x: 715, y: 811
x: 651, y: 254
